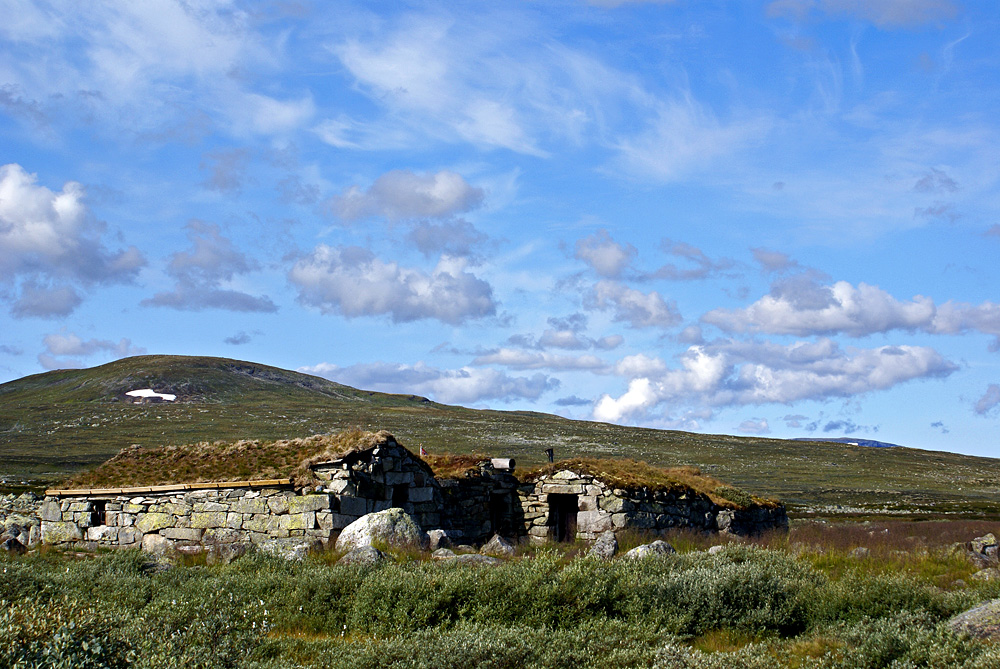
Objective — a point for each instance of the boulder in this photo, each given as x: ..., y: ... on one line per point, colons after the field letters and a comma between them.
x: 291, y: 548
x: 13, y: 546
x: 982, y: 544
x: 156, y: 544
x: 989, y: 574
x: 715, y: 550
x: 982, y: 622
x: 606, y: 546
x: 438, y: 539
x: 475, y: 559
x: 498, y: 547
x: 392, y: 527
x: 657, y: 548
x: 443, y: 554
x: 363, y: 555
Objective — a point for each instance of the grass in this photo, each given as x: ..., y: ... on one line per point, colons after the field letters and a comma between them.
x: 57, y: 424
x: 759, y: 603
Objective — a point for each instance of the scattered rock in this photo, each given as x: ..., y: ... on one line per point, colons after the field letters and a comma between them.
x: 657, y: 548
x: 983, y: 544
x: 715, y: 550
x: 292, y: 548
x: 498, y: 547
x: 462, y: 549
x: 363, y: 555
x: 475, y: 558
x: 156, y: 545
x: 13, y: 546
x: 392, y: 527
x: 438, y: 539
x: 606, y: 546
x: 443, y: 554
x: 988, y: 574
x: 860, y: 552
x: 982, y: 622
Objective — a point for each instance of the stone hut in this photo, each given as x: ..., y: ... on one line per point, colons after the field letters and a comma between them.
x: 330, y: 490
x: 570, y: 504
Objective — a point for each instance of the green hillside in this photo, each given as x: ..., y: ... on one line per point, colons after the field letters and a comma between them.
x: 58, y: 423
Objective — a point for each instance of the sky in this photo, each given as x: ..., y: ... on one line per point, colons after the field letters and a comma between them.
x: 774, y: 217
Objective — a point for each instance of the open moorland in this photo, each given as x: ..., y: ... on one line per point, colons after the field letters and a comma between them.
x: 824, y: 595
x: 57, y: 424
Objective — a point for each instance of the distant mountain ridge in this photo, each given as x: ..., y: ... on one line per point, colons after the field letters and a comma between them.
x: 854, y: 441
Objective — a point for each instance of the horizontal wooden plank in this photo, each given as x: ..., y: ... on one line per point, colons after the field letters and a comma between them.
x: 173, y: 487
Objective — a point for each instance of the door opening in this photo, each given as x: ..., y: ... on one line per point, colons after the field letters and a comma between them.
x: 562, y: 515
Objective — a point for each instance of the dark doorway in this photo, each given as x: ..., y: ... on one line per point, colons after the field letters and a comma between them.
x: 400, y: 496
x: 98, y: 513
x: 500, y: 514
x: 562, y: 515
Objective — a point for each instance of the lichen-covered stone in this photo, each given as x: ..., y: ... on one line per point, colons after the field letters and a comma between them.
x: 153, y: 522
x: 392, y: 527
x: 206, y: 519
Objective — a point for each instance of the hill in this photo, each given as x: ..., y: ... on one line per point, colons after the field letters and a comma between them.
x: 854, y: 441
x: 59, y: 423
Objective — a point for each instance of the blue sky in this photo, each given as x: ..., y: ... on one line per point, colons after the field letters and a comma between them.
x: 775, y: 218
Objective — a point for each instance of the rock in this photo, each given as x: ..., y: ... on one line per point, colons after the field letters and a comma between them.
x: 606, y: 546
x: 363, y: 555
x: 859, y: 552
x: 657, y: 548
x: 474, y: 559
x: 982, y: 544
x: 60, y: 532
x: 13, y: 546
x: 462, y: 549
x: 292, y: 548
x: 438, y: 539
x: 392, y: 527
x: 226, y: 553
x: 157, y: 545
x: 715, y: 550
x: 443, y: 554
x: 982, y: 622
x: 498, y: 547
x: 989, y: 574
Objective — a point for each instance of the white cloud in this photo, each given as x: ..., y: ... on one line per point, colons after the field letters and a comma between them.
x: 800, y: 306
x: 42, y: 301
x: 604, y: 255
x: 353, y: 282
x: 989, y: 401
x: 731, y: 373
x: 51, y: 236
x: 454, y: 238
x: 632, y: 306
x: 703, y: 266
x: 62, y: 351
x: 466, y: 385
x: 401, y: 194
x: 754, y: 426
x: 517, y: 359
x: 200, y: 273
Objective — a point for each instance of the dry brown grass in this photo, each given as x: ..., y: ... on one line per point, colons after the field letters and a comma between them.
x: 221, y: 461
x: 635, y: 475
x: 452, y: 466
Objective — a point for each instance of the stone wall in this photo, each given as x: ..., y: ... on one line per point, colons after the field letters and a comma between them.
x: 19, y: 518
x: 601, y: 508
x: 479, y: 506
x: 214, y: 518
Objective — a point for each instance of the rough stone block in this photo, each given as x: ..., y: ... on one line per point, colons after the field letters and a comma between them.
x: 277, y: 504
x: 587, y: 503
x: 221, y: 535
x: 182, y: 534
x: 308, y: 503
x: 50, y: 511
x: 156, y: 544
x: 58, y: 532
x: 208, y: 507
x: 557, y: 489
x: 398, y: 478
x: 128, y: 536
x: 234, y: 521
x: 594, y: 522
x: 324, y: 520
x: 79, y: 506
x: 425, y: 494
x: 354, y: 506
x: 340, y: 521
x: 151, y: 522
x: 134, y: 508
x: 103, y: 534
x: 205, y: 519
x: 176, y: 509
x: 250, y: 506
x: 297, y: 521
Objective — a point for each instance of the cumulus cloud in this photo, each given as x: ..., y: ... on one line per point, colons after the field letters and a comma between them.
x: 401, y: 194
x: 638, y: 309
x: 773, y: 261
x: 604, y: 255
x: 989, y: 401
x: 794, y: 420
x: 733, y: 373
x: 48, y: 236
x: 803, y: 307
x: 467, y: 385
x: 568, y: 334
x: 454, y: 238
x: 200, y: 273
x: 703, y: 266
x: 882, y: 13
x: 518, y: 359
x: 754, y: 426
x: 63, y: 351
x: 352, y: 282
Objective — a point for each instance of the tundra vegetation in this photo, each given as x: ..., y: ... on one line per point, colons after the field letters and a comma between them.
x: 806, y: 598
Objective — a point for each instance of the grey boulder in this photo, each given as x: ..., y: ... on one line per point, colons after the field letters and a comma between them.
x: 982, y: 622
x: 657, y: 548
x: 606, y: 546
x: 363, y: 555
x: 498, y: 547
x: 393, y: 528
